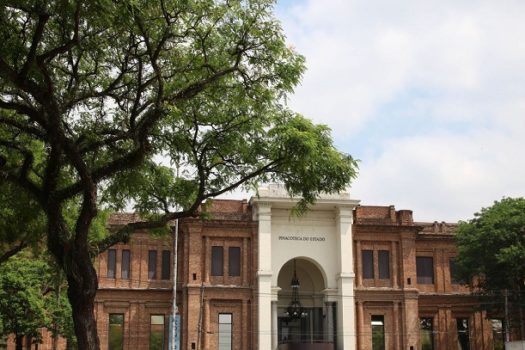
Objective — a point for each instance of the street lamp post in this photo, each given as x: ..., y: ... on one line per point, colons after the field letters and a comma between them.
x: 175, y: 311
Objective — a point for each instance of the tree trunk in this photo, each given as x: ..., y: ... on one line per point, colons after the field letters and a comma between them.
x: 73, y: 256
x: 19, y: 341
x: 82, y: 288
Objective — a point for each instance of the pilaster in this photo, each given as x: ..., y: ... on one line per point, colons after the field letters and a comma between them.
x: 264, y: 275
x: 346, y: 338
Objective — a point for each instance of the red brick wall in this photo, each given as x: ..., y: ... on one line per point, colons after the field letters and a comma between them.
x: 400, y: 299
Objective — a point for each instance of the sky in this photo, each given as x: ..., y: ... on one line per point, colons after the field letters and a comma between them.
x: 428, y: 95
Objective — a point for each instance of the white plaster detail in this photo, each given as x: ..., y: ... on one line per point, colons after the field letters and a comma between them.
x: 323, y: 237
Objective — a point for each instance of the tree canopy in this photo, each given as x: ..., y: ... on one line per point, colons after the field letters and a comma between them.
x: 491, y: 255
x: 156, y: 104
x: 30, y: 299
x: 491, y: 246
x: 22, y: 223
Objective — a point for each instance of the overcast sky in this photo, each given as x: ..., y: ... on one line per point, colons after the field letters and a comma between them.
x: 428, y: 95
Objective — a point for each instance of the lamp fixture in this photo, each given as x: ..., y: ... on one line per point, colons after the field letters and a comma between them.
x: 295, y: 309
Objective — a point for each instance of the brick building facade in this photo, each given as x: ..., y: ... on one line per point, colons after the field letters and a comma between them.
x: 402, y: 294
x: 368, y: 277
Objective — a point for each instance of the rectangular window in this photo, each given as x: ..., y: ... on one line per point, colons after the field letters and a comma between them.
x: 225, y: 331
x: 217, y: 261
x: 378, y: 332
x: 124, y: 265
x: 116, y: 332
x: 166, y: 260
x: 497, y: 334
x: 156, y: 335
x: 152, y: 264
x: 384, y: 264
x: 463, y: 334
x: 426, y: 333
x: 367, y: 258
x: 425, y: 270
x: 234, y: 265
x: 454, y: 272
x: 112, y: 263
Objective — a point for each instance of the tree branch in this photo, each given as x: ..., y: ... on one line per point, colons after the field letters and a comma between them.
x: 13, y: 251
x: 267, y: 168
x: 19, y: 176
x: 123, y: 234
x: 50, y: 54
x: 37, y: 36
x: 27, y: 129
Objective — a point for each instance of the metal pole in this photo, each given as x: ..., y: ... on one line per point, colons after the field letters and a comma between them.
x: 175, y: 310
x: 507, y: 324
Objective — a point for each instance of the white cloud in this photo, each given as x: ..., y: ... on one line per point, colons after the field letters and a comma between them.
x: 442, y: 176
x: 455, y: 68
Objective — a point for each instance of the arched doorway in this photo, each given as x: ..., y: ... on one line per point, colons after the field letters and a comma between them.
x: 305, y: 320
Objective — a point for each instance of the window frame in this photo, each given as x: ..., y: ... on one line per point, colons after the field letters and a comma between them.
x: 164, y: 344
x: 430, y: 331
x: 111, y: 271
x: 165, y: 273
x: 367, y: 269
x: 234, y: 266
x: 421, y: 269
x: 498, y: 333
x: 122, y: 325
x: 125, y: 262
x: 380, y: 322
x: 462, y: 330
x: 452, y: 269
x: 381, y: 271
x: 219, y: 323
x: 217, y: 261
x: 152, y: 265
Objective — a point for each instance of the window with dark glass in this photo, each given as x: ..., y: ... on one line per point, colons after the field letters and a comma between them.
x: 497, y: 334
x: 426, y: 333
x: 217, y: 261
x: 166, y: 260
x: 124, y: 265
x: 425, y: 270
x: 152, y: 264
x: 234, y: 261
x: 454, y: 272
x: 384, y: 264
x: 116, y: 332
x: 378, y: 332
x: 157, y: 332
x: 367, y: 258
x: 463, y: 333
x: 112, y: 263
x: 225, y: 331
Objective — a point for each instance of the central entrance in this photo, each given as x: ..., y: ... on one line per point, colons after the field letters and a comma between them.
x: 305, y: 319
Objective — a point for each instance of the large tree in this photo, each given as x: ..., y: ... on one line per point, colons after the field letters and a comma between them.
x: 158, y: 103
x: 491, y: 255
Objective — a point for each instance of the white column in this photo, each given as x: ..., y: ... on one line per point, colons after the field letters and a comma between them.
x: 346, y: 331
x: 274, y: 326
x: 264, y: 275
x: 329, y: 322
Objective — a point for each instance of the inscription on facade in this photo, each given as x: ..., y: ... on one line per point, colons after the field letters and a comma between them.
x: 302, y: 238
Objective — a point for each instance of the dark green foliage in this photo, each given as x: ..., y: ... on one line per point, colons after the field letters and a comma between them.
x: 30, y: 298
x: 492, y: 246
x: 491, y: 255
